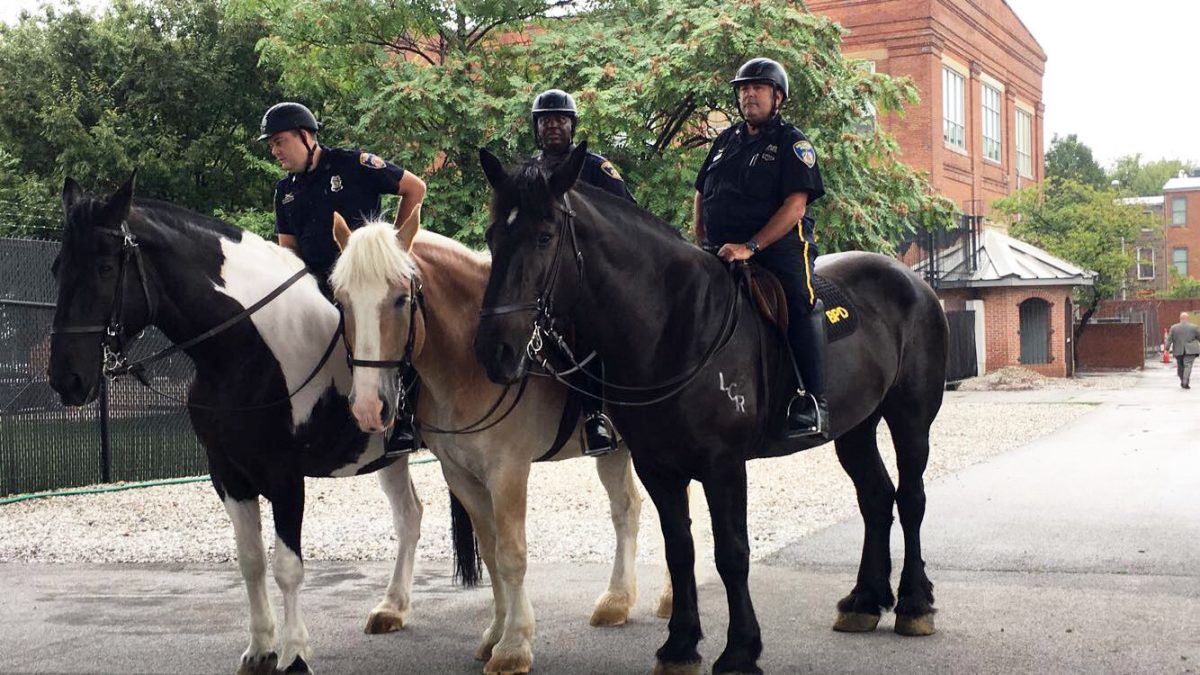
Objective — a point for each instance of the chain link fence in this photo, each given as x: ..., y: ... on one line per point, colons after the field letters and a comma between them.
x: 129, y: 434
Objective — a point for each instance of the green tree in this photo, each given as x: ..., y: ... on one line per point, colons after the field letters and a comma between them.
x: 1181, y: 287
x: 1144, y: 180
x: 1069, y: 159
x: 172, y: 88
x: 1084, y: 226
x: 429, y: 82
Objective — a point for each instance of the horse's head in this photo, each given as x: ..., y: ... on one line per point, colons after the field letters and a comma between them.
x: 534, y: 266
x: 102, y: 295
x: 377, y: 284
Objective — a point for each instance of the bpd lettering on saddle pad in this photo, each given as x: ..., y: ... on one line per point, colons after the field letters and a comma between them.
x: 841, y: 317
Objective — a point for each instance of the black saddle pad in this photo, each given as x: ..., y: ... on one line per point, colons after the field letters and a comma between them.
x: 841, y: 316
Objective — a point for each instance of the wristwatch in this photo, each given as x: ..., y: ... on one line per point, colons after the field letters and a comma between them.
x: 752, y: 245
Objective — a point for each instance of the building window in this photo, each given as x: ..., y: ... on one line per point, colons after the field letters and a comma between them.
x: 1024, y: 144
x: 991, y: 123
x: 1145, y: 264
x: 953, y: 109
x: 1179, y: 211
x: 1179, y: 260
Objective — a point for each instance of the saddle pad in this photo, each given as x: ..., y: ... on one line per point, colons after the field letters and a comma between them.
x: 841, y: 316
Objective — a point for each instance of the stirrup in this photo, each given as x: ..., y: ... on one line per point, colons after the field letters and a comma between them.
x: 820, y: 420
x: 597, y: 442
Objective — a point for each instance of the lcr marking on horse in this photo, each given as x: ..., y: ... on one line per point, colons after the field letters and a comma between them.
x: 739, y: 401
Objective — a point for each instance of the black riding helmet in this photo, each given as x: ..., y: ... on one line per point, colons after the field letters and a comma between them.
x: 763, y: 70
x: 554, y: 101
x: 287, y: 116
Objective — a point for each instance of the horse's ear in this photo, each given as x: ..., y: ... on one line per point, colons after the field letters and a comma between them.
x: 408, y: 230
x: 492, y: 168
x: 71, y: 194
x: 117, y: 209
x: 341, y: 231
x: 566, y: 173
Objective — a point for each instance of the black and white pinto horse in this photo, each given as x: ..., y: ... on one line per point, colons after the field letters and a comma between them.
x: 264, y: 424
x: 677, y: 336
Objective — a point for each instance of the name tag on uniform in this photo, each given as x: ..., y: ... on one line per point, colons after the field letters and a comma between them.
x: 289, y: 198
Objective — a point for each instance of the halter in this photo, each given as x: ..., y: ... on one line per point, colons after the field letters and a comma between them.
x: 116, y: 362
x: 543, y: 331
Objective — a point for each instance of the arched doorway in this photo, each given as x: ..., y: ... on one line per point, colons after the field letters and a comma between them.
x: 1035, y: 331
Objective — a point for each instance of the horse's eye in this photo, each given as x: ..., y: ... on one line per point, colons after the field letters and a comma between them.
x: 543, y: 240
x: 104, y: 268
x: 401, y: 300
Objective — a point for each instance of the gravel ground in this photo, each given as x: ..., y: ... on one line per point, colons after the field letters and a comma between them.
x: 348, y: 518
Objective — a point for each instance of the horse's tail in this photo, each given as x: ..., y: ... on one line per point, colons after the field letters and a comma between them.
x: 467, y: 568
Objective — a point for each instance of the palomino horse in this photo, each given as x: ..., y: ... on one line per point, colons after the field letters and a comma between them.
x: 415, y: 295
x: 150, y: 263
x: 692, y: 364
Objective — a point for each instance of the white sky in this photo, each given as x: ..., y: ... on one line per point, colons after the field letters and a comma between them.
x: 1121, y: 76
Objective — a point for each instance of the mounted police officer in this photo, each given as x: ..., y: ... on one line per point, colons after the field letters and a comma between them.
x: 752, y: 197
x: 554, y: 117
x: 323, y: 180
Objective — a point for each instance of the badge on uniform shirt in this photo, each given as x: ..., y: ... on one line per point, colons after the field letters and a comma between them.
x: 371, y: 161
x: 288, y: 198
x: 335, y: 184
x: 805, y: 151
x: 608, y: 168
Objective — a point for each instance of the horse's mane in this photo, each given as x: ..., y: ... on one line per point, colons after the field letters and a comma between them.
x: 528, y: 188
x: 372, y: 254
x: 180, y: 216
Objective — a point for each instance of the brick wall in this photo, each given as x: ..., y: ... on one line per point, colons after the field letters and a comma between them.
x: 1002, y: 324
x: 1185, y: 236
x: 1167, y: 311
x: 1109, y: 346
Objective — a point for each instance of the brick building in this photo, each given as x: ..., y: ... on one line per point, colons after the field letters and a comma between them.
x: 978, y: 133
x: 978, y: 129
x: 1173, y: 247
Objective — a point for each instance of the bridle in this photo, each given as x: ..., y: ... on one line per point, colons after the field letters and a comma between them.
x: 543, y: 331
x: 116, y: 361
x: 405, y: 363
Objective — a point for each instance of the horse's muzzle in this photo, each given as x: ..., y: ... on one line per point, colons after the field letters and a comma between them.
x: 503, y: 363
x: 71, y: 389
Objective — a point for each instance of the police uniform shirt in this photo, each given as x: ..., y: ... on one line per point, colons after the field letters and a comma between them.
x: 746, y: 178
x: 347, y: 181
x: 596, y: 171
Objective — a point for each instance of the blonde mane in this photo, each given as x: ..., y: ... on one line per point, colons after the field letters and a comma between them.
x: 372, y: 256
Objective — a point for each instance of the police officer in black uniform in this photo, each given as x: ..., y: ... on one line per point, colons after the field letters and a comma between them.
x: 554, y: 117
x: 752, y: 198
x: 323, y: 180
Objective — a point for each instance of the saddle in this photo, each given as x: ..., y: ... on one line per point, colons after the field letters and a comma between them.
x: 841, y: 317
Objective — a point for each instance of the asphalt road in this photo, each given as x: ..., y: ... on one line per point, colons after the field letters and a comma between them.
x: 1076, y: 553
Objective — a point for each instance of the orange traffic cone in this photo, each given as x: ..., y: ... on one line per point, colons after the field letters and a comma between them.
x: 1166, y: 358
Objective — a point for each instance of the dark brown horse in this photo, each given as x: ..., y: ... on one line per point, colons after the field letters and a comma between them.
x: 699, y: 382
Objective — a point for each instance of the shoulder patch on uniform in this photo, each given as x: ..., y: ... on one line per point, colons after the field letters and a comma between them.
x: 371, y: 161
x: 806, y: 152
x: 608, y: 168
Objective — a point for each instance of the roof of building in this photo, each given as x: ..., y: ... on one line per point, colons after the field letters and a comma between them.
x: 1143, y: 201
x: 1183, y: 183
x: 1004, y: 261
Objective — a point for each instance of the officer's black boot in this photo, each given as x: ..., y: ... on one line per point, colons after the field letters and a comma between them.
x: 599, y: 437
x: 808, y: 413
x: 402, y: 439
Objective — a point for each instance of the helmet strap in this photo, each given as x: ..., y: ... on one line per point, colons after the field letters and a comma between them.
x: 310, y: 148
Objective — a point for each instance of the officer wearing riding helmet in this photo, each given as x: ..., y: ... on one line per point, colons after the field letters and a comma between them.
x: 554, y: 117
x: 753, y: 193
x: 321, y: 181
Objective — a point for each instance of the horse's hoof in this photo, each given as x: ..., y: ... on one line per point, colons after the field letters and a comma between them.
x: 915, y: 626
x: 510, y: 664
x: 612, y: 609
x: 661, y: 668
x: 665, y: 606
x: 384, y: 621
x: 299, y: 666
x: 855, y: 622
x: 263, y: 664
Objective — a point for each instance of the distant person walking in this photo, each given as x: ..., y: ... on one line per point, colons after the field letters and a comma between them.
x: 1184, y: 342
